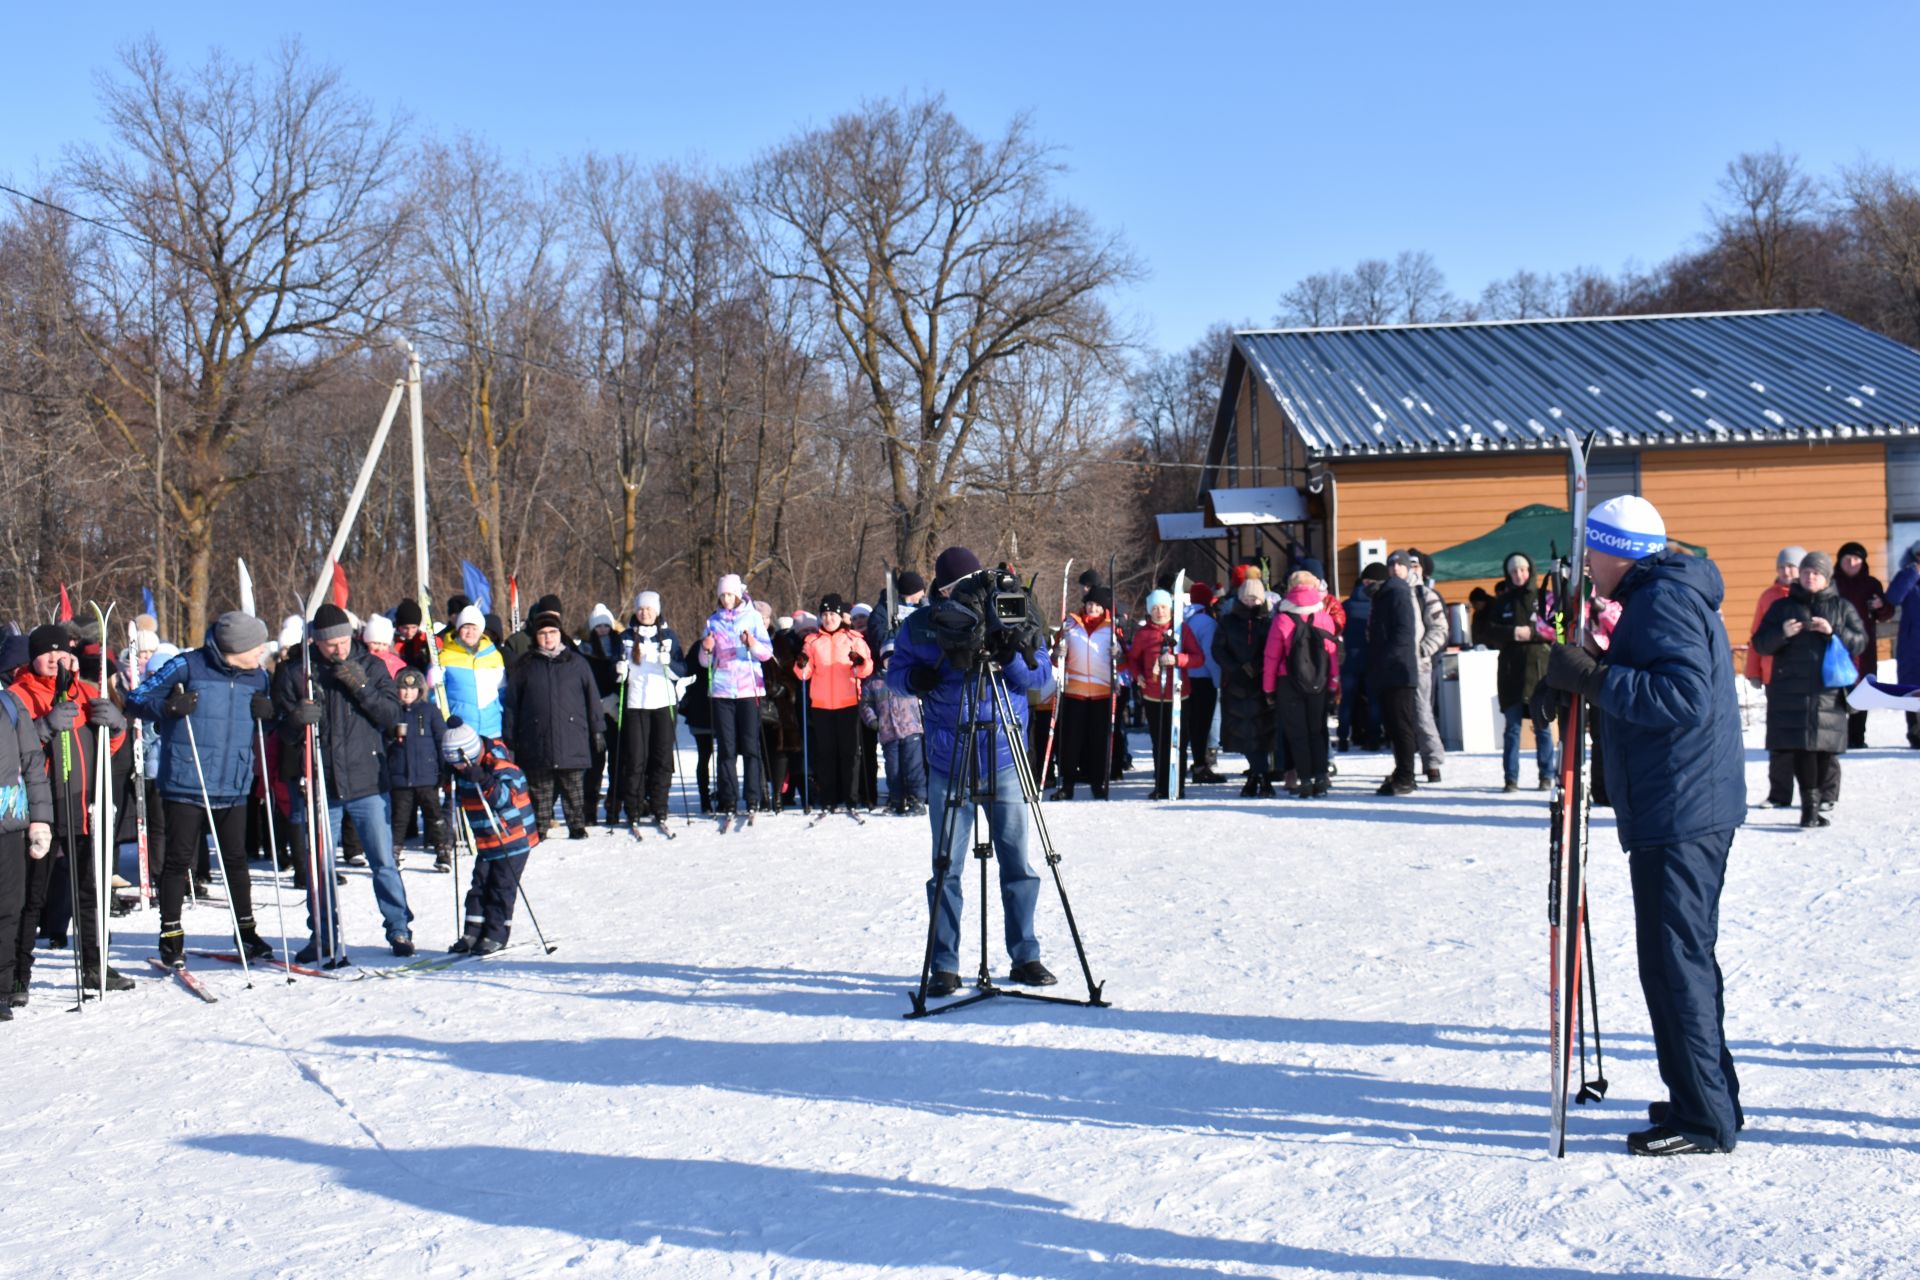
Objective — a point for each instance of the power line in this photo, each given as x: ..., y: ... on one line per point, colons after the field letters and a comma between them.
x: 575, y: 373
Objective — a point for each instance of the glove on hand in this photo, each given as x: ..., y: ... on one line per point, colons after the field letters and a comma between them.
x: 620, y: 671
x: 180, y: 702
x: 304, y: 714
x: 599, y: 744
x: 39, y: 840
x: 262, y: 707
x: 351, y: 675
x: 923, y: 680
x: 1546, y: 704
x: 62, y: 716
x: 1574, y: 670
x: 104, y: 715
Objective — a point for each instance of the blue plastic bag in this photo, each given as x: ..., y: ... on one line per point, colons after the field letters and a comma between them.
x: 1837, y: 670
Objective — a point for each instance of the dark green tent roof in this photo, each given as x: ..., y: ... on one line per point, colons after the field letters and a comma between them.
x: 1537, y: 530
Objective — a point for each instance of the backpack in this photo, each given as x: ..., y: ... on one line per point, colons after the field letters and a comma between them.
x: 1308, y: 662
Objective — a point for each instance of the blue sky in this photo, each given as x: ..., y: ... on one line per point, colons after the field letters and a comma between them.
x: 1237, y: 147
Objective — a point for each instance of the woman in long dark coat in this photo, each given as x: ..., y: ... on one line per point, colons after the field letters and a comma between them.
x: 1523, y: 660
x: 1246, y: 719
x: 1804, y: 716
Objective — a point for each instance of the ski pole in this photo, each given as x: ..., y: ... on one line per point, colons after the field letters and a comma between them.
x: 273, y: 845
x: 219, y: 855
x: 806, y: 759
x: 73, y: 858
x: 105, y: 847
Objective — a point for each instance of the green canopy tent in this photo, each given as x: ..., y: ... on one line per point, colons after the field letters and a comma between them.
x: 1537, y: 530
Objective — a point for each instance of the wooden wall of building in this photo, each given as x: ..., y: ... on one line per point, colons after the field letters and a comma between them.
x: 1745, y: 502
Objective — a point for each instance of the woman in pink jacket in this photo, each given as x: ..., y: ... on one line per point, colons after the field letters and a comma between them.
x: 1303, y: 679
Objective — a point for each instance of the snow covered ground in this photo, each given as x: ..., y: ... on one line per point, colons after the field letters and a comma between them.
x: 1325, y: 1056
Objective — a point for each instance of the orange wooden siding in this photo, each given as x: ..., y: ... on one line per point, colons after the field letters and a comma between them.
x: 1744, y: 503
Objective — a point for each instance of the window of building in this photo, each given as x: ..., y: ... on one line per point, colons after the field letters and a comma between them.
x: 1612, y: 473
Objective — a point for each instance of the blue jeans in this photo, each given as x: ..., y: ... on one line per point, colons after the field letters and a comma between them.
x: 906, y: 770
x: 1543, y: 753
x: 1019, y: 883
x: 373, y: 819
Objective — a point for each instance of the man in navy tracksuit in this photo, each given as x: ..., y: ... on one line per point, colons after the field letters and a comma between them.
x: 1674, y: 767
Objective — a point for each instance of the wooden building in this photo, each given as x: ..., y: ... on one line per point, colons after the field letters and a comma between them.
x: 1749, y: 431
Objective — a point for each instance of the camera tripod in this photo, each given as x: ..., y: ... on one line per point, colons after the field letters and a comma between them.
x: 966, y: 787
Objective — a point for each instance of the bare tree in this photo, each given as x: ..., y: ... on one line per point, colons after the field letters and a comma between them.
x: 1316, y: 302
x: 1524, y: 295
x: 1419, y: 289
x: 1883, y: 207
x: 1370, y: 293
x: 940, y: 256
x: 1760, y: 224
x: 265, y: 201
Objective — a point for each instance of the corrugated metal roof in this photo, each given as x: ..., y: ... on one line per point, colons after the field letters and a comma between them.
x: 1752, y: 376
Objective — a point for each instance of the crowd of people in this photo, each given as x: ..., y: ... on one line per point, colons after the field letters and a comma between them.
x: 558, y: 726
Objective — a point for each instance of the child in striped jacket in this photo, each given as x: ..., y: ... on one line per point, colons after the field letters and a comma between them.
x: 493, y: 796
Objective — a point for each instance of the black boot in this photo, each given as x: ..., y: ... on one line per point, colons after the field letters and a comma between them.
x: 173, y: 944
x: 251, y: 943
x: 17, y: 998
x: 1251, y: 788
x: 1810, y: 816
x: 116, y: 980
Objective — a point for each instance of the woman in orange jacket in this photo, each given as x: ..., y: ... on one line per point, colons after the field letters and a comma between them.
x: 834, y: 661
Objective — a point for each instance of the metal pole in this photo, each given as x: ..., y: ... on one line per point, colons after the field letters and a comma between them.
x: 359, y: 494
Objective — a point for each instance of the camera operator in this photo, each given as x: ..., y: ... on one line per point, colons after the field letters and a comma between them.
x: 922, y: 664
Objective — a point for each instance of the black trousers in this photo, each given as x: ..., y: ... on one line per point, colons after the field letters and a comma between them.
x: 570, y: 784
x: 604, y: 768
x: 491, y: 894
x: 834, y: 751
x: 646, y: 762
x: 1160, y: 729
x: 736, y: 733
x: 426, y: 802
x: 1396, y: 714
x: 1303, y: 719
x: 13, y: 901
x: 186, y: 837
x: 1818, y: 773
x: 41, y: 877
x: 703, y: 766
x: 1085, y: 728
x: 1856, y: 729
x: 866, y: 770
x: 1196, y: 720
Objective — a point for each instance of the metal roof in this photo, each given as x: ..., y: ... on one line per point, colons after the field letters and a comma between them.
x: 1729, y: 377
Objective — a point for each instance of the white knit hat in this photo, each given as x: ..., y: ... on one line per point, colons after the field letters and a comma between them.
x: 600, y: 617
x: 1626, y: 526
x: 470, y: 616
x: 379, y: 630
x: 292, y: 631
x: 651, y: 599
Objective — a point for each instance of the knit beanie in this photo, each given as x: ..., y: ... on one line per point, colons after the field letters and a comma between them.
x: 952, y: 565
x: 601, y: 616
x: 731, y: 585
x: 1818, y: 561
x: 1850, y: 549
x: 548, y: 604
x: 461, y: 744
x: 1789, y: 557
x: 647, y: 600
x: 470, y: 617
x: 1102, y: 596
x: 1626, y: 526
x: 238, y: 632
x: 407, y: 614
x: 861, y: 610
x: 1201, y: 593
x: 51, y: 638
x: 909, y: 583
x: 1157, y: 597
x: 330, y: 622
x: 378, y: 630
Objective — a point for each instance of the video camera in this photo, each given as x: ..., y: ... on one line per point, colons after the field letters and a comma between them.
x: 987, y: 615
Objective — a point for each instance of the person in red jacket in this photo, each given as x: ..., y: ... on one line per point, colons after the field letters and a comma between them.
x: 1153, y: 660
x: 66, y: 708
x: 833, y: 661
x: 1303, y: 709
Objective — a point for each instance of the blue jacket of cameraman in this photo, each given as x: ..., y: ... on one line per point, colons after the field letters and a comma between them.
x: 940, y: 707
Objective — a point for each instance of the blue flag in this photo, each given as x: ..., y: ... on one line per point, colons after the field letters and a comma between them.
x: 146, y: 602
x: 478, y: 589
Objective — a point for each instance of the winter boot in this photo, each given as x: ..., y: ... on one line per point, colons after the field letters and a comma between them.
x: 1266, y: 791
x: 173, y: 944
x: 116, y: 981
x: 251, y: 942
x: 17, y: 998
x: 1251, y: 788
x: 464, y: 944
x: 443, y: 858
x: 1810, y: 816
x: 487, y: 946
x: 401, y: 944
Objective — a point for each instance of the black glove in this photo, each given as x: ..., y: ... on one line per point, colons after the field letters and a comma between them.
x: 923, y: 680
x: 1573, y: 670
x: 599, y: 744
x: 304, y: 714
x: 180, y: 702
x: 1546, y: 704
x: 102, y: 714
x: 351, y: 675
x: 62, y: 716
x: 262, y: 707
x: 1247, y: 671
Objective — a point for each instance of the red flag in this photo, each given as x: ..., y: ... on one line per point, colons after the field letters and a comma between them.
x: 66, y: 605
x: 339, y: 585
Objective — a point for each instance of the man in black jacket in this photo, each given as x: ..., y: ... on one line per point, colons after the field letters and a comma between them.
x: 1393, y: 667
x: 552, y: 723
x: 351, y: 705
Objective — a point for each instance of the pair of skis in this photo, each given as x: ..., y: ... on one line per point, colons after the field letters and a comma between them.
x: 1570, y: 947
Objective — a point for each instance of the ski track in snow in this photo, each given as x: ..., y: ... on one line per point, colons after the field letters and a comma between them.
x: 1326, y: 1056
